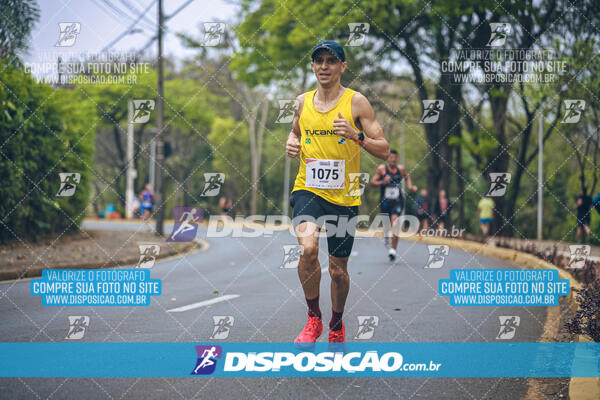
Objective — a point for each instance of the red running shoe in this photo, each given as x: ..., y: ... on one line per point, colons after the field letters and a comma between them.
x: 337, y: 340
x: 312, y: 330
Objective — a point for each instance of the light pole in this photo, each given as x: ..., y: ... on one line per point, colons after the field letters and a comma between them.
x: 131, y: 173
x: 159, y: 190
x: 286, y: 186
x: 540, y: 175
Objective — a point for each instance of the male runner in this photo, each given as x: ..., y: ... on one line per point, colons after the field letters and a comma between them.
x: 147, y: 201
x: 328, y: 136
x: 485, y: 212
x: 389, y: 178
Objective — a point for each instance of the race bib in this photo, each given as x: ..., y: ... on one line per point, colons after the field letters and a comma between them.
x: 392, y: 192
x: 325, y: 174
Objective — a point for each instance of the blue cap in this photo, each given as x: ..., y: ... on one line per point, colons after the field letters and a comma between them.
x: 332, y: 46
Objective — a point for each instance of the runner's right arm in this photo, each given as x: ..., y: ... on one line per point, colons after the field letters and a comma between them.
x: 293, y: 143
x: 377, y: 181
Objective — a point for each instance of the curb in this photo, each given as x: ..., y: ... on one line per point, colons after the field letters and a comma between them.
x: 579, y: 388
x: 584, y: 388
x: 15, y: 276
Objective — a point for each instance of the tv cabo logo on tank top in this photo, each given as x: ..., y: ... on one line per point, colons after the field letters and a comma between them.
x: 325, y: 160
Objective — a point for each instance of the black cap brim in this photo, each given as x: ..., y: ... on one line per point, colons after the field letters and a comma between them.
x: 337, y: 52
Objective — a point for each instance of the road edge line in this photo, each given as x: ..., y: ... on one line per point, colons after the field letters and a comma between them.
x: 202, y: 245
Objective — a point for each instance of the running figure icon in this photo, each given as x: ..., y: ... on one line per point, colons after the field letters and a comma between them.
x: 431, y: 111
x: 366, y: 326
x: 498, y: 35
x: 498, y: 184
x: 188, y: 219
x: 437, y: 255
x: 508, y: 326
x: 358, y: 32
x: 69, y: 184
x: 186, y: 223
x: 574, y: 110
x: 207, y: 359
x: 223, y: 324
x: 77, y: 326
x: 69, y: 181
x: 287, y: 111
x: 208, y: 356
x: 291, y: 256
x: 214, y: 181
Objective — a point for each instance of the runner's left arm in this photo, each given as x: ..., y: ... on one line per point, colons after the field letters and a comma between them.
x: 375, y: 143
x: 408, y: 180
x: 362, y: 112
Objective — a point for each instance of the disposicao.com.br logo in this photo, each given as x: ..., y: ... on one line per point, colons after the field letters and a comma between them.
x: 323, y: 362
x: 239, y: 363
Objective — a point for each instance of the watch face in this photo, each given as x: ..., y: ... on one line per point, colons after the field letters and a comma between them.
x: 361, y: 136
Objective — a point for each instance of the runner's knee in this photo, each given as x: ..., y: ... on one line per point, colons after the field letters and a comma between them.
x: 337, y: 273
x: 311, y: 252
x: 338, y: 268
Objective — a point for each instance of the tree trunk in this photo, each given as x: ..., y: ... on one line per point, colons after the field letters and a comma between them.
x: 499, y: 161
x: 256, y: 143
x: 460, y: 185
x: 121, y: 162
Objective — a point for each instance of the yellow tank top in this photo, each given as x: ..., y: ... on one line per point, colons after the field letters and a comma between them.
x: 318, y: 141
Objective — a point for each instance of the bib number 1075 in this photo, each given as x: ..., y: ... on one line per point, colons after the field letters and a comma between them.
x: 325, y: 174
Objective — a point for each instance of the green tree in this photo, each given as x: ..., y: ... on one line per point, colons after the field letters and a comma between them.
x: 18, y: 19
x: 275, y: 42
x: 43, y: 132
x: 109, y: 102
x: 190, y: 109
x: 229, y: 147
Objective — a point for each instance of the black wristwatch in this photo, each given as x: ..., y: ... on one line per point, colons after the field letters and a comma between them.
x: 361, y: 138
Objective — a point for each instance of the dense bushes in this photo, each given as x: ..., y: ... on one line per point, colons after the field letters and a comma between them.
x: 43, y: 131
x: 587, y: 318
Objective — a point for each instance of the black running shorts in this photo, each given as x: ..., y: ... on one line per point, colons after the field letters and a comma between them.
x: 390, y: 208
x: 308, y: 206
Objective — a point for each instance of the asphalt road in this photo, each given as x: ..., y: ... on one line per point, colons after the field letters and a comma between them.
x: 270, y: 307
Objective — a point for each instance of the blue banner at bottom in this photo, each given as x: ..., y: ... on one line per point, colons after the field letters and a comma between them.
x: 227, y: 359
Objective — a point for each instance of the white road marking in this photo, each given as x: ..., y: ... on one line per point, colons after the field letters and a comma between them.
x: 204, y: 303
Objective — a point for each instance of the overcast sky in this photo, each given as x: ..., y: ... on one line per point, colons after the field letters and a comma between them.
x: 101, y: 24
